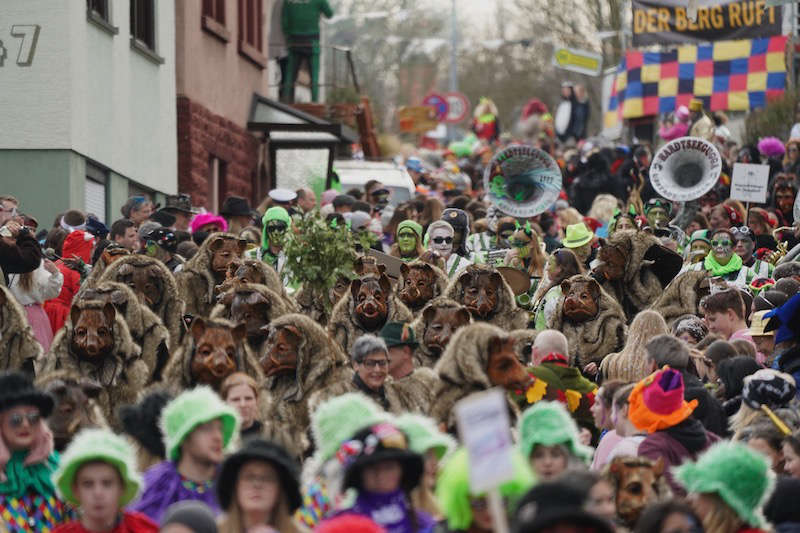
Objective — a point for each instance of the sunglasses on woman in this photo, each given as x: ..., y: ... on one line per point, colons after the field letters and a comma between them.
x: 724, y: 242
x: 441, y: 240
x: 17, y: 419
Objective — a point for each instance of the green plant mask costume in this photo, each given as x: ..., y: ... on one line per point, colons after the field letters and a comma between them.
x: 409, y: 234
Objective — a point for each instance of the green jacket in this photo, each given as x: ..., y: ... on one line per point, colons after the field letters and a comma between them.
x: 301, y: 17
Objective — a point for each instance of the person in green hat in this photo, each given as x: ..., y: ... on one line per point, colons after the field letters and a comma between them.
x: 198, y: 427
x: 699, y: 246
x: 276, y: 222
x: 408, y: 241
x: 580, y: 239
x: 658, y: 211
x: 549, y: 438
x: 97, y: 475
x: 727, y: 487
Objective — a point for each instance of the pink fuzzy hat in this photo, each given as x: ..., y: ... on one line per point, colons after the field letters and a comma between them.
x: 207, y: 218
x: 771, y: 147
x: 328, y: 196
x: 682, y: 113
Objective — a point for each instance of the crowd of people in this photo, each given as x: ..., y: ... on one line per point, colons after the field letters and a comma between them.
x: 172, y: 372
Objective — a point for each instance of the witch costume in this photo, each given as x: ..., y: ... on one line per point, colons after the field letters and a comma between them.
x: 28, y: 499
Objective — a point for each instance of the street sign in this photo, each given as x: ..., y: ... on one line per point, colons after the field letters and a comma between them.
x: 439, y: 103
x: 457, y: 107
x: 749, y: 183
x: 580, y: 61
x: 416, y: 119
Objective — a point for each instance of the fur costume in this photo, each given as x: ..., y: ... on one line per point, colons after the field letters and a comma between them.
x: 640, y: 286
x: 122, y: 375
x: 682, y: 295
x: 312, y: 306
x: 19, y: 349
x: 170, y: 310
x: 285, y: 398
x: 344, y: 327
x: 277, y: 305
x: 440, y: 282
x: 507, y: 316
x: 273, y: 282
x: 196, y: 282
x: 147, y: 329
x: 409, y: 394
x: 592, y: 340
x: 415, y: 391
x: 422, y: 355
x: 462, y: 371
x: 523, y: 341
x: 178, y: 374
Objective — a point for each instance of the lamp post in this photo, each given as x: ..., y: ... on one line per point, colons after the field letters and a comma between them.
x: 453, y: 60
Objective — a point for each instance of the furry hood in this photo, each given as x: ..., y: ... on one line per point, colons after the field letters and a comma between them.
x: 681, y: 296
x: 200, y: 263
x: 422, y: 355
x: 273, y: 282
x: 17, y: 343
x: 179, y: 372
x: 318, y: 357
x: 507, y: 315
x: 466, y: 358
x: 277, y: 305
x: 170, y: 311
x: 523, y: 340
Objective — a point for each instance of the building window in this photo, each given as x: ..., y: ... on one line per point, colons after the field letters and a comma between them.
x: 99, y: 8
x: 217, y: 173
x: 94, y: 192
x: 143, y: 22
x: 214, y: 9
x: 250, y: 23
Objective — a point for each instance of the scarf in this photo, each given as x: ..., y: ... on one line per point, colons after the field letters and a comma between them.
x: 22, y: 479
x: 710, y: 264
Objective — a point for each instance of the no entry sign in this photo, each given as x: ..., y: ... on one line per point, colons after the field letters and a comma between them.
x: 457, y: 107
x: 439, y: 103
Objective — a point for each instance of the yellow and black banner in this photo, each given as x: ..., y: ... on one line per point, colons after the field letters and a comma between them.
x: 667, y: 21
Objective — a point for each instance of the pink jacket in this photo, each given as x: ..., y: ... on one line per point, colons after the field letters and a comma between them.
x: 679, y: 129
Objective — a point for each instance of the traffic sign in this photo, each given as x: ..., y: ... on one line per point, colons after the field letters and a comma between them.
x: 579, y: 61
x: 439, y: 103
x: 457, y: 107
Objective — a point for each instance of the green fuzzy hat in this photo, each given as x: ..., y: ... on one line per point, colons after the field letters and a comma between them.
x: 734, y: 472
x: 413, y: 226
x: 191, y: 409
x: 273, y: 213
x: 92, y: 445
x: 339, y: 418
x: 453, y: 493
x: 423, y: 435
x: 549, y: 423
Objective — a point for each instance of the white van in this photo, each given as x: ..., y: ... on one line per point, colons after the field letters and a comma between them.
x: 354, y: 174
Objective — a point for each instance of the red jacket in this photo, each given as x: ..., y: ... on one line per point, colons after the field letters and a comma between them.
x: 131, y: 522
x: 77, y: 244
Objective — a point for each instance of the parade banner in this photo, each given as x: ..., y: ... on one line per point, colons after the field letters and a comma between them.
x: 669, y: 22
x: 726, y: 75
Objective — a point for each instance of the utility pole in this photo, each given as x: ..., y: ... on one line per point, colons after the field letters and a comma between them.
x: 453, y: 60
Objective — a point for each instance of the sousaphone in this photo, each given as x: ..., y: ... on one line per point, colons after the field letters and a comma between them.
x: 685, y: 169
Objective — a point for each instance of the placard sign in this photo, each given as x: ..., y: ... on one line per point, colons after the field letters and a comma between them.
x: 749, y: 183
x: 483, y: 427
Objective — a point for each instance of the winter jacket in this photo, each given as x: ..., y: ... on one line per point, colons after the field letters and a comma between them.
x: 78, y: 244
x: 681, y: 442
x: 679, y: 129
x: 45, y: 286
x: 164, y: 485
x: 709, y: 410
x: 301, y: 17
x: 22, y: 257
x: 129, y: 522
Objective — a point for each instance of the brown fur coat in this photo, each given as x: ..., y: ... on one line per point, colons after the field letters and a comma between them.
x: 277, y: 305
x: 462, y: 371
x: 285, y: 398
x: 423, y: 356
x: 19, y: 349
x: 122, y: 375
x: 344, y: 328
x: 170, y: 310
x: 196, y: 282
x: 507, y: 316
x: 592, y: 340
x: 682, y: 295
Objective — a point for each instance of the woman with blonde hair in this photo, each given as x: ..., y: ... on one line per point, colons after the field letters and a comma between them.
x: 630, y: 364
x: 603, y: 208
x: 241, y: 391
x: 259, y: 489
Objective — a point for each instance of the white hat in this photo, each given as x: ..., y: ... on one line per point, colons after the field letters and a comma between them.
x: 282, y: 195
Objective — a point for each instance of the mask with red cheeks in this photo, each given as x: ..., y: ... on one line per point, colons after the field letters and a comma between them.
x: 251, y: 309
x: 92, y: 332
x: 480, y: 292
x: 581, y: 299
x: 224, y: 251
x: 370, y: 298
x: 418, y: 283
x: 441, y: 324
x: 280, y: 353
x: 145, y: 281
x: 215, y: 352
x: 504, y: 369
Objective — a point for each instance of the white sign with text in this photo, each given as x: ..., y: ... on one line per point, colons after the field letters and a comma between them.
x: 749, y: 183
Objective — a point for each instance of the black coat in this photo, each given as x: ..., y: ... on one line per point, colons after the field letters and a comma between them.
x: 709, y: 410
x: 24, y: 256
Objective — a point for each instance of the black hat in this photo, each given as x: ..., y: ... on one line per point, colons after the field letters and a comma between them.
x: 163, y: 217
x: 552, y: 503
x: 163, y: 237
x: 140, y: 421
x: 456, y: 218
x: 260, y: 450
x: 373, y: 444
x: 17, y: 389
x: 95, y: 227
x: 236, y: 206
x: 179, y: 202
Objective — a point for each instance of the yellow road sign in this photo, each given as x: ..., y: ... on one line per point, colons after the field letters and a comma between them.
x: 579, y: 61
